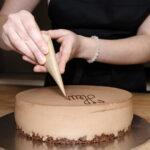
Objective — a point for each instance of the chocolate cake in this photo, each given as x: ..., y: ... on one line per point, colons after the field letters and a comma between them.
x: 89, y: 114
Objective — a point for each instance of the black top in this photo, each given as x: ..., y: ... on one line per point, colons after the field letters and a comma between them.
x: 108, y: 19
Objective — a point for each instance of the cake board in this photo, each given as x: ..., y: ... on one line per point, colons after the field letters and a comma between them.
x: 11, y: 140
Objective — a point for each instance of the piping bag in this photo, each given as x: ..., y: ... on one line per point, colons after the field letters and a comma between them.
x: 52, y: 65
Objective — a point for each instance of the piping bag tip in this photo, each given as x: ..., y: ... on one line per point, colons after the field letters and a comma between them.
x: 61, y: 87
x: 52, y: 65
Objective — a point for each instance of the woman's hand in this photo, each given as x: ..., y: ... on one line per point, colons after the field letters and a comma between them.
x: 21, y: 33
x: 69, y: 49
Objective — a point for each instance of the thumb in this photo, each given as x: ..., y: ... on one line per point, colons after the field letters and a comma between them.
x: 64, y: 57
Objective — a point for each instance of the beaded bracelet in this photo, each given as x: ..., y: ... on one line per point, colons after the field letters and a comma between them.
x: 97, y: 50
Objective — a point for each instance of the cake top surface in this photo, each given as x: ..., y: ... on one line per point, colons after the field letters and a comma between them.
x: 76, y: 96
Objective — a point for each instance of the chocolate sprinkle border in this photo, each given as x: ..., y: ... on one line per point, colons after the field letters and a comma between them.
x: 82, y: 140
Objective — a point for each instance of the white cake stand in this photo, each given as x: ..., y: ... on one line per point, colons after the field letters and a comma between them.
x: 11, y: 140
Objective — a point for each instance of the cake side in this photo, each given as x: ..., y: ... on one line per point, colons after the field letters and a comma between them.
x: 71, y: 122
x: 43, y: 119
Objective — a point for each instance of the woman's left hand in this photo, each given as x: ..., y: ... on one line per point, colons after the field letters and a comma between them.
x: 69, y: 48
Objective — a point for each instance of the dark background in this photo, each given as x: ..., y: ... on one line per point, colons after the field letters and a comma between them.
x: 12, y: 65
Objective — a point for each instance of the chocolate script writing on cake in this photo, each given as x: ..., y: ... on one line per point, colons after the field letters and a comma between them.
x: 87, y: 99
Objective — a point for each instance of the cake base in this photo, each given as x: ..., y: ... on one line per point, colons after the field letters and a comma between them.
x: 82, y: 140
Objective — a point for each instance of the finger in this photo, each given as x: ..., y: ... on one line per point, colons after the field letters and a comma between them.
x: 19, y: 45
x: 34, y: 32
x: 39, y: 56
x: 64, y: 57
x: 44, y: 32
x: 41, y: 59
x: 27, y: 59
x: 38, y: 68
x: 22, y: 33
x: 58, y: 55
x: 61, y: 48
x: 54, y: 34
x: 60, y: 40
x: 7, y: 42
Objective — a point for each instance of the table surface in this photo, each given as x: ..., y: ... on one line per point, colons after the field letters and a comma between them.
x: 141, y: 104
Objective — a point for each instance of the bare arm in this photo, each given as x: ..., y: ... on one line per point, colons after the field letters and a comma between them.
x: 132, y: 50
x: 13, y: 6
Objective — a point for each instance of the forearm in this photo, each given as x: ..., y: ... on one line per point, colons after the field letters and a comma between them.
x: 13, y: 6
x: 132, y: 50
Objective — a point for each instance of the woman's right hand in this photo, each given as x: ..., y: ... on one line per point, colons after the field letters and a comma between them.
x: 21, y: 33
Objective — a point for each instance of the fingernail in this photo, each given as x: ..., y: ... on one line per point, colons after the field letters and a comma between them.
x: 42, y: 59
x: 44, y: 49
x: 62, y: 70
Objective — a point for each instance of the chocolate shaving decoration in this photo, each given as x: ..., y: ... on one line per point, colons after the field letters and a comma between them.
x: 36, y: 137
x: 50, y: 140
x: 81, y: 141
x: 104, y: 138
x: 121, y: 133
x: 111, y: 137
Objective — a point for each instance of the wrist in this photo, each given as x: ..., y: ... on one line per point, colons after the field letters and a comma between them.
x: 87, y: 48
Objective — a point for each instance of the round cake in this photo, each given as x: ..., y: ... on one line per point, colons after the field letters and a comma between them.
x: 89, y: 114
